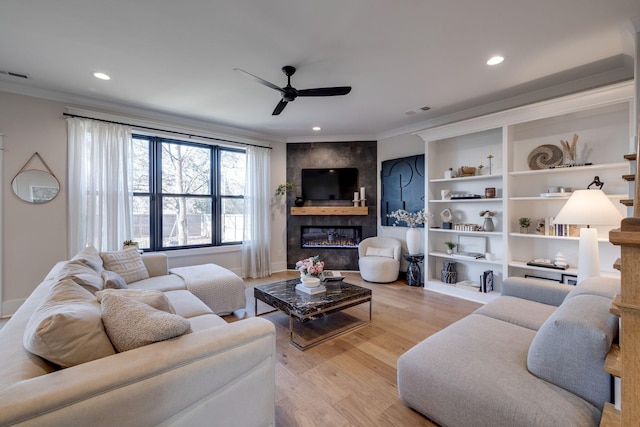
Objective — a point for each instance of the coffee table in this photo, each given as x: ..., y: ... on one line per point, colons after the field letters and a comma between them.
x: 304, y: 307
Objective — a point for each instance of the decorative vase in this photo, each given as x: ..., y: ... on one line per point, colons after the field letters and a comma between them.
x: 413, y: 240
x: 299, y: 202
x: 449, y: 274
x: 524, y: 230
x: 488, y: 224
x: 449, y: 251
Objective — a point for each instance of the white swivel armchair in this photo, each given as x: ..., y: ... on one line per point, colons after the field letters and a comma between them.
x: 379, y: 259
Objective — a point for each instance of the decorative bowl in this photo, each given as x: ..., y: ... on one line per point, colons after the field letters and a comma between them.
x: 310, y: 282
x: 468, y: 170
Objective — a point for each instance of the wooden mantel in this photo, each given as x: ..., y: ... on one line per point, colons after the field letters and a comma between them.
x: 330, y: 210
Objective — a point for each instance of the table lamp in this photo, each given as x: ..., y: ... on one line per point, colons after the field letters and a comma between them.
x: 588, y: 208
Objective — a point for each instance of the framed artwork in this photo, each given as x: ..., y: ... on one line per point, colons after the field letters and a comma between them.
x: 569, y: 279
x: 402, y: 186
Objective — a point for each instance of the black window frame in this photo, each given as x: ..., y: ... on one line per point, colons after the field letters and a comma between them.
x: 156, y: 195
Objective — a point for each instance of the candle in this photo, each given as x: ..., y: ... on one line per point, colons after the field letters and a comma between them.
x: 355, y: 196
x: 362, y: 193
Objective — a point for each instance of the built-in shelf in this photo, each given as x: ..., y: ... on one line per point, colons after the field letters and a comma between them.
x: 450, y: 289
x: 571, y: 270
x: 467, y: 178
x: 484, y: 199
x: 541, y: 236
x: 538, y: 198
x: 480, y: 233
x: 330, y: 210
x: 604, y: 166
x: 523, y: 264
x: 464, y: 258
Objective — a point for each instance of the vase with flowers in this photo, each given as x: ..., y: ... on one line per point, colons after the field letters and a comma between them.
x: 412, y: 219
x: 310, y: 269
x: 488, y: 222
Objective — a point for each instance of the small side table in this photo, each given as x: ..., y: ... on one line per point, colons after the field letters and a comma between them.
x: 414, y: 274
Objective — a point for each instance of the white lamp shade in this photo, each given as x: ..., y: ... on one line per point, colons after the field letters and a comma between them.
x: 588, y: 207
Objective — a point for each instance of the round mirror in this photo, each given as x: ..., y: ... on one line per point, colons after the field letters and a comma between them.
x: 35, y: 186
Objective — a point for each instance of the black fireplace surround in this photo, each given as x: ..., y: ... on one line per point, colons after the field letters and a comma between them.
x: 354, y: 154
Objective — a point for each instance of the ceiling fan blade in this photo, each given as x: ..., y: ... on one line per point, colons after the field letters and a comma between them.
x: 279, y: 107
x: 325, y: 91
x: 259, y: 80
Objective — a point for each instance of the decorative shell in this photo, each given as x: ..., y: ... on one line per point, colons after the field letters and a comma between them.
x: 545, y: 157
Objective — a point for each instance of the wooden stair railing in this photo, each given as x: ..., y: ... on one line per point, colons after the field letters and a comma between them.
x: 624, y: 361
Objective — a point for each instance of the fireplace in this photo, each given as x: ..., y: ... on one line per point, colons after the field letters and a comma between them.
x: 341, y: 237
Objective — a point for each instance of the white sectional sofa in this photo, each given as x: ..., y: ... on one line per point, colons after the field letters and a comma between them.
x: 534, y: 357
x: 213, y: 373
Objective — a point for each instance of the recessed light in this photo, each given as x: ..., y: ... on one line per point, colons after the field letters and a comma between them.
x: 495, y: 60
x: 101, y: 76
x: 316, y: 128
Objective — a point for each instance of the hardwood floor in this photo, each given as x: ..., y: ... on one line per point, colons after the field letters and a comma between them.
x: 351, y: 380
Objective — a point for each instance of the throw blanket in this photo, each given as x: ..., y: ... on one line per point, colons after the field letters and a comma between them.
x: 221, y: 289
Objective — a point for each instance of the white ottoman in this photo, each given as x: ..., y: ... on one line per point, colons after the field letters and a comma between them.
x: 221, y: 289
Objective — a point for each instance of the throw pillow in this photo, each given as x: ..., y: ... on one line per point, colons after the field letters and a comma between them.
x: 154, y: 298
x: 82, y: 274
x: 66, y: 328
x: 112, y: 280
x: 131, y: 324
x: 383, y: 252
x: 91, y: 257
x: 127, y: 263
x: 570, y: 347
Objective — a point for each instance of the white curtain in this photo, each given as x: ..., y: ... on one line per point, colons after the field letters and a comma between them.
x: 100, y: 191
x: 256, y: 258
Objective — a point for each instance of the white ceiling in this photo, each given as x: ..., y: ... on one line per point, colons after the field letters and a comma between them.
x: 177, y: 57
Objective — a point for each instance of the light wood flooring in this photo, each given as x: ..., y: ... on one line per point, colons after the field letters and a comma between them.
x: 351, y: 380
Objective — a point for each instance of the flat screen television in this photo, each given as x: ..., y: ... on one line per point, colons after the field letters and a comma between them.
x: 329, y: 184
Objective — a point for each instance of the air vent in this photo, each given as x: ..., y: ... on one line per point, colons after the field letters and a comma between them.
x: 12, y: 74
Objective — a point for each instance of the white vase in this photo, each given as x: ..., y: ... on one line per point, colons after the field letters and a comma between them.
x: 413, y: 240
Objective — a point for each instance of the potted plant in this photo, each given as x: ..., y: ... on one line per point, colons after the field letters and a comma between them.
x: 525, y: 223
x: 285, y: 188
x: 128, y: 243
x: 450, y: 245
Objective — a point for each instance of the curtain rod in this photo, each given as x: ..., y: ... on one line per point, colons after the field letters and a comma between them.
x: 190, y: 135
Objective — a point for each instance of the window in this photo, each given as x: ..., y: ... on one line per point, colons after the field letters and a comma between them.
x: 186, y: 194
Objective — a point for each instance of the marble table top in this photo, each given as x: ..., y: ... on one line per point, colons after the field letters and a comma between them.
x: 284, y: 297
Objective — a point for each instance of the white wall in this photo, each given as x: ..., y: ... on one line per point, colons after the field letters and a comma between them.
x: 35, y: 236
x: 394, y: 148
x: 278, y: 208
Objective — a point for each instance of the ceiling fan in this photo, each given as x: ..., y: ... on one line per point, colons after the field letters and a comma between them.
x: 289, y: 93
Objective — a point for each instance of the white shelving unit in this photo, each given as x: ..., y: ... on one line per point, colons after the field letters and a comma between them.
x: 602, y: 120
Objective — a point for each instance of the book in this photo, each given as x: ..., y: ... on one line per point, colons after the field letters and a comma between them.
x: 468, y: 285
x: 486, y: 281
x: 331, y: 276
x: 311, y: 291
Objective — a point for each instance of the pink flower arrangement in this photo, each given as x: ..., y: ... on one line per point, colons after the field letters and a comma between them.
x: 311, y: 266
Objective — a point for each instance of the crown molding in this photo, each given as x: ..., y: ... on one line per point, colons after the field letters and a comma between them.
x: 143, y: 116
x: 591, y: 82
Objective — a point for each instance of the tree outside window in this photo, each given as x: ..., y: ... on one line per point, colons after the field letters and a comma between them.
x: 186, y: 195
